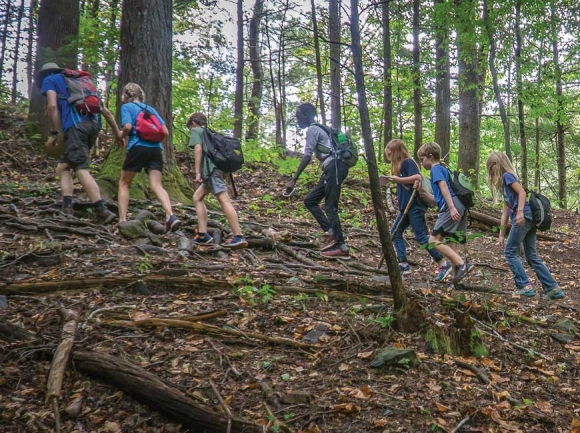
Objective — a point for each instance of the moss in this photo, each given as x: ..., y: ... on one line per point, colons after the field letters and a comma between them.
x: 438, y: 341
x: 476, y: 345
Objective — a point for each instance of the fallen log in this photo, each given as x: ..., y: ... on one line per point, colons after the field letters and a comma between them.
x: 12, y: 333
x: 494, y: 222
x: 150, y: 390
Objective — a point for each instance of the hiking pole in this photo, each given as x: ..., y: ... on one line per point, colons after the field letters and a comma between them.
x: 400, y: 219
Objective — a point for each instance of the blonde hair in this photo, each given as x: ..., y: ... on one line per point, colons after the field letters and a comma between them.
x: 134, y: 91
x: 497, y: 165
x: 399, y: 153
x: 430, y: 148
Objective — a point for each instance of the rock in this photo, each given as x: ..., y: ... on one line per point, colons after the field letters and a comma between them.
x: 382, y: 279
x: 133, y: 229
x: 142, y: 289
x: 318, y: 331
x: 562, y: 338
x: 393, y: 357
x: 3, y: 303
x: 566, y: 325
x: 296, y: 397
x: 156, y: 227
x: 74, y: 407
x: 144, y: 216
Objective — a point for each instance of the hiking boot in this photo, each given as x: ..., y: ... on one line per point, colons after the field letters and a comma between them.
x: 461, y: 272
x: 555, y: 293
x: 105, y: 216
x: 442, y: 272
x: 171, y: 224
x: 235, y: 243
x: 202, y: 240
x: 527, y: 291
x: 336, y: 253
x: 404, y: 268
x: 328, y: 244
x: 68, y: 210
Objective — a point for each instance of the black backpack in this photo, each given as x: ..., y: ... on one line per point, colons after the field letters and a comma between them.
x: 462, y: 187
x: 224, y: 152
x: 541, y: 211
x: 343, y: 145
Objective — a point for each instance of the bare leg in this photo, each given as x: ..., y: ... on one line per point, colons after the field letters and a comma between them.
x: 89, y: 184
x: 66, y: 180
x: 230, y: 213
x: 124, y: 185
x: 159, y: 191
x: 446, y: 250
x: 200, y: 208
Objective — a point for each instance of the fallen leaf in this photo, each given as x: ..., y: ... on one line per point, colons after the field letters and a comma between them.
x: 441, y: 408
x: 544, y: 406
x: 381, y: 422
x: 365, y: 355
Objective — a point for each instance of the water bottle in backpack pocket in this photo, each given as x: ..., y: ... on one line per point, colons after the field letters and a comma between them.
x: 344, y: 147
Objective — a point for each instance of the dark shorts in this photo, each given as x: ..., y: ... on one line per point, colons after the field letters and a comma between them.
x: 449, y: 229
x: 142, y: 157
x: 78, y: 141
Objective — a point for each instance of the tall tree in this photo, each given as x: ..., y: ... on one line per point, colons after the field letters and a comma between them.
x: 57, y: 36
x: 239, y: 96
x: 319, y: 88
x: 520, y: 90
x: 7, y: 15
x: 17, y: 51
x: 257, y: 70
x: 416, y: 71
x: 334, y: 50
x: 387, y: 78
x: 442, y: 77
x: 399, y: 295
x: 31, y: 30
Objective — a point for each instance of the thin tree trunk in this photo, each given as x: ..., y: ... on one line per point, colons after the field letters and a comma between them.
x: 519, y: 90
x: 400, y: 298
x: 416, y: 72
x: 239, y: 96
x: 17, y: 52
x: 387, y: 80
x: 282, y: 74
x: 31, y: 27
x: 257, y: 71
x: 537, y: 161
x: 492, y: 53
x: 560, y: 132
x: 334, y: 49
x: 275, y: 102
x: 318, y: 63
x: 5, y: 37
x: 443, y: 83
x: 110, y: 67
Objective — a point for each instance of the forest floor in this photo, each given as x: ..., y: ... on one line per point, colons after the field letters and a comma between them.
x: 293, y: 335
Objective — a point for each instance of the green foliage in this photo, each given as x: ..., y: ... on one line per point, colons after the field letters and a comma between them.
x: 385, y: 321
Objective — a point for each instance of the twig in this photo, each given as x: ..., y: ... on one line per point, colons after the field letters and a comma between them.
x: 226, y: 357
x: 478, y: 372
x: 461, y: 424
x: 56, y: 416
x: 224, y: 405
x: 100, y: 310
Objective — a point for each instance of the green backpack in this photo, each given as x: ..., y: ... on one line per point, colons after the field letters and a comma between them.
x: 344, y: 147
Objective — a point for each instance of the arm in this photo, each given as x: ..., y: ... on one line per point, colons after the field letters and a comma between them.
x: 53, y: 116
x: 198, y: 153
x: 409, y: 179
x: 455, y: 215
x: 503, y: 222
x: 521, y: 192
x: 165, y: 130
x: 303, y: 163
x: 111, y: 122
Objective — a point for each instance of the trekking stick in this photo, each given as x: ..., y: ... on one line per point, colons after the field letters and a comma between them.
x: 401, y: 219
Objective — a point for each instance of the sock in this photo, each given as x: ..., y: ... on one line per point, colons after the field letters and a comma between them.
x: 67, y: 200
x: 99, y: 205
x: 201, y: 234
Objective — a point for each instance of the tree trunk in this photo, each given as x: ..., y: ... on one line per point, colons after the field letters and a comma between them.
x: 334, y: 49
x: 537, y: 160
x: 492, y: 53
x: 257, y: 71
x: 519, y: 90
x: 239, y: 96
x: 17, y: 52
x: 31, y: 28
x: 387, y: 80
x: 5, y: 37
x: 57, y: 33
x: 275, y: 102
x: 416, y: 72
x: 400, y: 298
x: 318, y: 63
x: 560, y: 133
x: 443, y: 83
x: 469, y: 141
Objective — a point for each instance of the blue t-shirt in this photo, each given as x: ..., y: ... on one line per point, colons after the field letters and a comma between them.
x: 404, y: 191
x: 68, y: 115
x: 129, y: 113
x: 510, y: 197
x: 440, y: 174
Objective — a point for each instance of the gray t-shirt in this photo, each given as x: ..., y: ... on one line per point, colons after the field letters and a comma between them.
x: 318, y: 143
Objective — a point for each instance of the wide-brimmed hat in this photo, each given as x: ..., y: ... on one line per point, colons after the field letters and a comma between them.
x: 46, y: 69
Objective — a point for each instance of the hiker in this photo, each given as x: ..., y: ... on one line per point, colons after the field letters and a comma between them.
x: 141, y: 154
x: 451, y: 225
x: 210, y: 180
x: 80, y: 134
x: 503, y: 181
x: 404, y: 173
x: 328, y: 187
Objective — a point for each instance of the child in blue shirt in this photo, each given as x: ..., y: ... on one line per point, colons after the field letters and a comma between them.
x: 502, y: 179
x: 451, y: 225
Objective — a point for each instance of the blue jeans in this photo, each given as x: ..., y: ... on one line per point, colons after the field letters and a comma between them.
x: 526, y: 235
x: 416, y: 219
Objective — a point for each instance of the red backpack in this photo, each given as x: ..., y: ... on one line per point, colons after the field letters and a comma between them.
x: 83, y: 92
x: 148, y: 126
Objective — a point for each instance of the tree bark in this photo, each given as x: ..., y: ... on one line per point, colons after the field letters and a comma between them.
x: 519, y: 91
x: 239, y: 96
x: 443, y: 83
x: 400, y: 298
x: 334, y: 49
x: 416, y: 73
x: 31, y: 28
x: 17, y: 52
x: 560, y: 132
x: 387, y: 80
x: 318, y: 63
x: 257, y: 71
x: 5, y: 36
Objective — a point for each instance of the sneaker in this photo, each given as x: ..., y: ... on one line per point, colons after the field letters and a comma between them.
x: 68, y: 210
x: 172, y: 224
x: 442, y: 272
x: 337, y: 253
x: 105, y: 216
x: 328, y: 244
x: 461, y: 272
x: 527, y: 291
x: 202, y: 240
x: 235, y: 243
x: 405, y: 268
x: 555, y: 293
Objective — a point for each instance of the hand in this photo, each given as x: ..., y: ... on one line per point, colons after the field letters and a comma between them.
x: 500, y: 240
x: 290, y: 186
x: 384, y: 180
x: 417, y: 185
x: 119, y: 139
x: 51, y: 141
x: 455, y: 215
x: 198, y: 178
x: 520, y: 219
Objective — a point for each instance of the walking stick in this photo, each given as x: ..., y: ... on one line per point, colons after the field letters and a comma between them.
x: 399, y: 222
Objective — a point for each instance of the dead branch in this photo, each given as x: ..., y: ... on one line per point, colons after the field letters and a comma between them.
x: 223, y: 404
x: 12, y: 333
